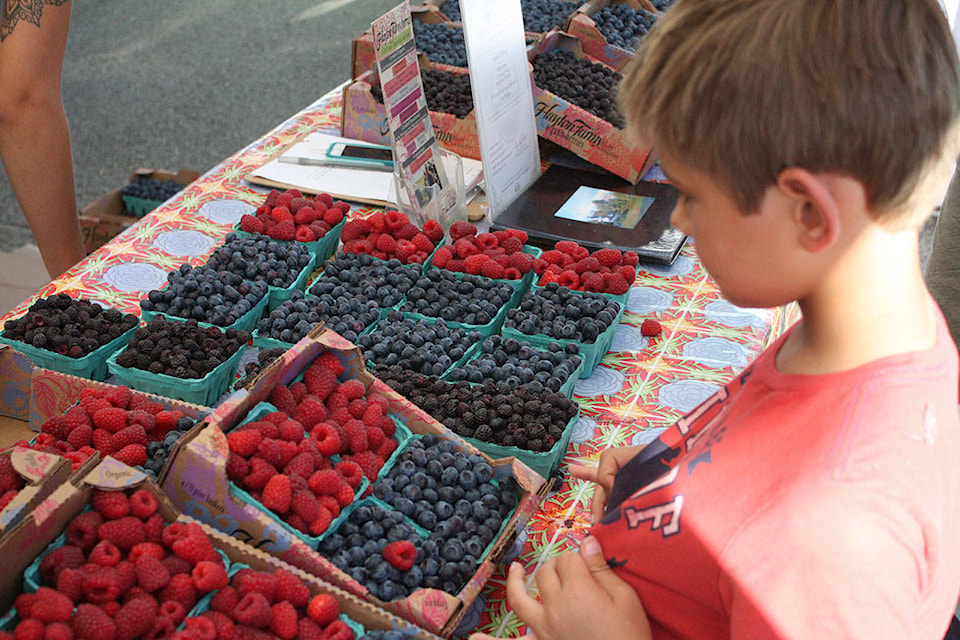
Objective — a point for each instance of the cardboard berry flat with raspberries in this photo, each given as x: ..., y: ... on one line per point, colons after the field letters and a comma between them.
x: 200, y: 484
x: 290, y: 216
x: 27, y: 477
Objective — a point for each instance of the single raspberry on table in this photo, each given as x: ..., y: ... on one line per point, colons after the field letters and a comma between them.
x: 651, y: 328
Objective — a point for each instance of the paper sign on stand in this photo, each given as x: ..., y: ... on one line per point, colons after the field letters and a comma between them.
x: 416, y: 152
x: 502, y: 97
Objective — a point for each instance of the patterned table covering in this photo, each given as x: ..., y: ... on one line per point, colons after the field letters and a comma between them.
x: 641, y: 386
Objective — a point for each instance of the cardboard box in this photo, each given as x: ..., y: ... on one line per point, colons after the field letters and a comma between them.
x: 198, y: 484
x: 365, y: 118
x: 15, y: 373
x: 592, y: 41
x: 42, y: 474
x: 105, y: 218
x: 364, y: 56
x: 574, y: 128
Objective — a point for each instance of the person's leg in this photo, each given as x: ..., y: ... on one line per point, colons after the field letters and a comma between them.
x: 943, y: 266
x: 34, y: 135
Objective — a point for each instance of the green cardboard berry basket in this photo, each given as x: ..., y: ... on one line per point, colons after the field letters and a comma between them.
x: 139, y: 207
x: 279, y: 295
x: 622, y: 298
x: 470, y: 352
x: 92, y: 366
x: 247, y: 322
x: 543, y: 462
x: 322, y: 248
x: 591, y: 354
x: 266, y: 342
x: 202, y: 391
x: 524, y: 282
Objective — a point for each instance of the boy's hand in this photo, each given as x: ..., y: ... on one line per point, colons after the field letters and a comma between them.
x: 603, y: 475
x: 581, y: 598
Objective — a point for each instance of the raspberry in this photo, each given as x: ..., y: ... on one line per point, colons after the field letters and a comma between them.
x: 143, y: 504
x: 180, y: 589
x: 630, y: 258
x: 591, y: 282
x: 260, y: 473
x: 386, y: 243
x: 123, y: 532
x: 153, y: 528
x: 338, y: 630
x: 250, y: 224
x: 304, y: 504
x: 56, y: 426
x: 423, y: 243
x: 322, y: 523
x: 92, y: 404
x: 167, y: 420
x: 569, y: 279
x: 433, y: 230
x: 102, y: 585
x: 461, y: 229
x: 474, y: 264
x: 57, y: 631
x: 277, y: 493
x: 492, y: 269
x: 282, y: 398
x: 92, y: 622
x: 307, y: 629
x: 356, y: 435
x: 372, y: 415
x: 608, y: 257
x: 104, y: 554
x: 70, y: 584
x: 172, y: 610
x: 629, y: 273
x: 253, y: 610
x: 282, y: 214
x: 286, y: 231
x: 309, y: 412
x: 352, y: 389
x: 127, y: 574
x: 142, y: 418
x: 463, y: 248
x: 244, y: 442
x: 617, y: 285
x: 223, y: 625
x: 325, y: 198
x: 395, y: 219
x: 407, y: 232
x: 291, y: 588
x: 352, y: 230
x: 587, y: 264
x: 400, y: 554
x: 304, y: 234
x: 442, y: 257
x: 568, y: 247
x: 269, y: 450
x: 651, y: 328
x: 65, y: 557
x: 369, y: 462
x: 134, y: 434
x: 51, y: 606
x: 251, y: 581
x: 325, y: 482
x: 75, y: 416
x: 283, y: 620
x: 225, y: 600
x: 512, y: 273
x: 320, y: 382
x: 197, y: 628
x: 23, y: 603
x: 323, y: 608
x: 195, y: 548
x: 135, y: 618
x: 520, y: 261
x: 329, y: 360
x: 111, y: 505
x: 133, y: 455
x: 118, y: 396
x: 112, y: 419
x: 209, y: 576
x: 333, y: 217
x: 302, y: 465
x: 327, y: 438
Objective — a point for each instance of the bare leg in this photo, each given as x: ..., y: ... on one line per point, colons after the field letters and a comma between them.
x: 943, y: 268
x: 34, y: 135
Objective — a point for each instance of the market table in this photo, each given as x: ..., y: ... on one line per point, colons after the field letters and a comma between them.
x: 641, y: 386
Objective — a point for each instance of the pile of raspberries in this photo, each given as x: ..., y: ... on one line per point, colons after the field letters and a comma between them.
x: 496, y: 255
x: 283, y: 459
x: 390, y: 234
x: 113, y: 420
x: 572, y: 266
x: 288, y: 215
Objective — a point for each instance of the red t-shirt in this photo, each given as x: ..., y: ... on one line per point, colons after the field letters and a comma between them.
x: 800, y: 506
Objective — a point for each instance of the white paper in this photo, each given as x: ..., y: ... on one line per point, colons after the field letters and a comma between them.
x: 502, y: 97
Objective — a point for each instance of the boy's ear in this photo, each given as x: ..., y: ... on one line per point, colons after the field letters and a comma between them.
x: 813, y: 208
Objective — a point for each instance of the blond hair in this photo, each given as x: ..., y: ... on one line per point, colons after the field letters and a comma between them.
x: 742, y: 89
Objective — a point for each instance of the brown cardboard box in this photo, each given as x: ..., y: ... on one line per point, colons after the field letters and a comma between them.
x: 593, y: 43
x: 42, y: 474
x: 574, y: 128
x: 364, y: 56
x: 198, y: 484
x: 15, y: 372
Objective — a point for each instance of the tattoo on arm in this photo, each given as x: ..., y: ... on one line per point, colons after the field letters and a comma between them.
x: 29, y: 10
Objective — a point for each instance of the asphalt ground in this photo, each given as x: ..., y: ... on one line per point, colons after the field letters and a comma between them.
x: 179, y: 84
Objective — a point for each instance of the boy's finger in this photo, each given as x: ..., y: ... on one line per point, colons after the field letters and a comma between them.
x: 598, y: 503
x: 584, y: 472
x: 524, y: 605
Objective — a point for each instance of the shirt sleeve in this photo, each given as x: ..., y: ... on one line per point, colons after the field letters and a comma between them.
x: 846, y: 567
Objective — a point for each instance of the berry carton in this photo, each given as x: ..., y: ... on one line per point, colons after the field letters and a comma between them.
x: 199, y: 485
x: 581, y: 25
x: 365, y: 116
x: 574, y: 128
x: 32, y: 475
x: 364, y: 56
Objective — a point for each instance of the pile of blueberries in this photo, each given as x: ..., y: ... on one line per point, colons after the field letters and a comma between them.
x: 451, y: 9
x: 207, y: 295
x: 662, y: 5
x: 360, y: 274
x: 540, y: 16
x: 158, y: 451
x: 517, y: 362
x: 447, y: 92
x: 180, y: 349
x: 416, y: 344
x: 495, y: 412
x: 151, y: 189
x: 68, y: 326
x: 622, y: 25
x: 587, y: 84
x: 467, y: 299
x: 442, y: 43
x: 259, y: 258
x: 348, y: 315
x: 558, y: 313
x: 450, y: 493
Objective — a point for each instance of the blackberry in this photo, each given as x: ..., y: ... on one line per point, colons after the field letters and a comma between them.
x: 447, y: 92
x: 253, y: 369
x: 416, y: 344
x: 587, y: 84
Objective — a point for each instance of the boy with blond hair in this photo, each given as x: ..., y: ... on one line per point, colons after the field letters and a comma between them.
x: 817, y: 495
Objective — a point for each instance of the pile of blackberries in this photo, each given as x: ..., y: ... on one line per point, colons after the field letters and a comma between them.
x: 360, y: 274
x: 540, y: 16
x: 207, y: 295
x: 622, y: 25
x: 495, y: 412
x: 151, y: 189
x: 589, y: 85
x: 348, y: 315
x: 180, y: 349
x: 447, y: 92
x: 158, y: 451
x: 442, y: 43
x: 416, y: 344
x: 468, y: 299
x: 252, y: 369
x: 259, y: 258
x: 68, y: 326
x: 557, y: 312
x: 450, y: 493
x: 451, y: 9
x: 517, y: 362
